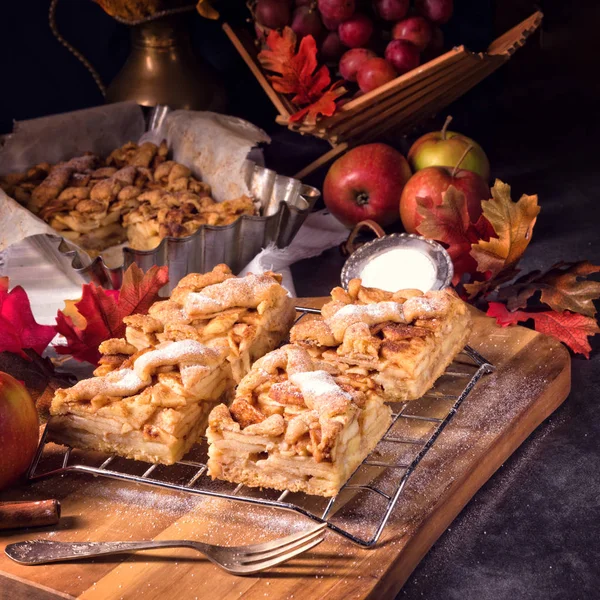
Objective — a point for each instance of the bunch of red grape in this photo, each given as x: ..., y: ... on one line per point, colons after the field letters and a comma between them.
x: 357, y: 34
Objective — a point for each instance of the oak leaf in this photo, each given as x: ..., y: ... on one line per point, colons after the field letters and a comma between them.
x: 563, y: 287
x: 18, y: 328
x: 449, y: 223
x: 513, y: 224
x: 570, y: 328
x: 104, y: 311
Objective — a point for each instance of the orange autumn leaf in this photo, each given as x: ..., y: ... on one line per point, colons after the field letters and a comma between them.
x: 103, y: 311
x: 513, y: 224
x: 324, y: 106
x: 296, y: 72
x: 570, y: 328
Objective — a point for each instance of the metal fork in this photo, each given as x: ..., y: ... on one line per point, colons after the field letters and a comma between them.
x: 239, y: 560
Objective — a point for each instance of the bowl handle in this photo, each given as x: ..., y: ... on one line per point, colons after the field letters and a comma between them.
x: 350, y: 245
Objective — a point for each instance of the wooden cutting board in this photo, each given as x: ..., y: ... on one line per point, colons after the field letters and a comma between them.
x: 532, y: 379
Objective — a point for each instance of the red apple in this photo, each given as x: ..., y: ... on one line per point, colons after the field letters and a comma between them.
x: 415, y: 30
x: 356, y: 31
x: 403, y: 56
x: 392, y: 10
x: 432, y: 182
x: 374, y: 73
x: 366, y: 183
x: 19, y: 430
x: 437, y: 11
x: 445, y: 149
x: 352, y: 61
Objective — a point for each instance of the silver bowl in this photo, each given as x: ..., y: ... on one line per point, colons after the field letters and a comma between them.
x: 438, y: 255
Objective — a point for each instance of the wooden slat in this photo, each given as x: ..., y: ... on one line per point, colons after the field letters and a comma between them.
x: 442, y: 97
x: 322, y: 160
x: 508, y: 43
x: 404, y: 104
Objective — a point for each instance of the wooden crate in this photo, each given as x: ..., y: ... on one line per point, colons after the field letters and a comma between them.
x: 400, y: 104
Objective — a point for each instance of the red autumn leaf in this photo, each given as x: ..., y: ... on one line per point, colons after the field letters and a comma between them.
x: 104, y: 312
x: 503, y: 316
x: 325, y: 106
x: 296, y: 72
x: 570, y: 328
x: 18, y: 328
x: 449, y: 223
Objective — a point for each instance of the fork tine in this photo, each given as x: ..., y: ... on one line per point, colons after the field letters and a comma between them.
x: 266, y: 554
x: 278, y: 543
x: 261, y: 566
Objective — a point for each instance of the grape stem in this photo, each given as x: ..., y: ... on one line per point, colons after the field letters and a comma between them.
x: 445, y: 127
x: 464, y: 154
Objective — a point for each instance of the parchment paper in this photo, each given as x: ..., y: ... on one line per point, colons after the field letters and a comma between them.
x: 214, y: 146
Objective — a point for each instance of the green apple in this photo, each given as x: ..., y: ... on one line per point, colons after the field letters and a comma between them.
x: 445, y: 149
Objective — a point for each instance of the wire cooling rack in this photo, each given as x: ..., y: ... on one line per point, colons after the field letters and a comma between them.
x: 365, y: 503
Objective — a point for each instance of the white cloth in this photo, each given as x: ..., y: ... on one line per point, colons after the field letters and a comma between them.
x: 319, y: 232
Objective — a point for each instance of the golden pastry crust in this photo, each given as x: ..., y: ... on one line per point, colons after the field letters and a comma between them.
x: 293, y: 426
x: 403, y: 341
x: 135, y: 195
x: 152, y: 388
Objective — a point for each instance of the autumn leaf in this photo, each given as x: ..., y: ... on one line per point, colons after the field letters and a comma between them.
x: 570, y: 328
x: 325, y: 106
x: 563, y: 287
x: 18, y: 328
x: 281, y: 49
x: 103, y: 311
x: 513, y: 224
x: 449, y: 223
x: 298, y: 73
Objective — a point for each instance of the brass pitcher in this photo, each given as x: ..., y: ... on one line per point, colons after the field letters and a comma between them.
x: 162, y: 69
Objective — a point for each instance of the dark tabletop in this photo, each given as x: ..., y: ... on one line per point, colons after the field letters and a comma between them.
x: 532, y: 531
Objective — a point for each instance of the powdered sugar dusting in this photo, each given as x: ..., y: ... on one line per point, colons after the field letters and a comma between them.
x: 243, y: 292
x: 320, y: 390
x: 371, y: 314
x: 171, y: 353
x: 124, y: 382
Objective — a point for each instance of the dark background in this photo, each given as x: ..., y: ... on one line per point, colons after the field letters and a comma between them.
x: 532, y: 531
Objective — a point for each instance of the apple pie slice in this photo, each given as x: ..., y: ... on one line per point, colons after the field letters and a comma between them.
x: 199, y: 344
x: 152, y: 407
x: 252, y: 313
x: 294, y: 426
x: 401, y: 342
